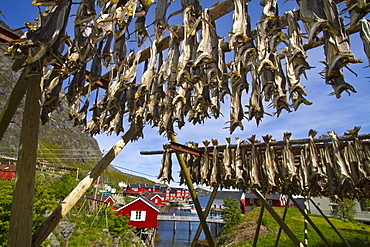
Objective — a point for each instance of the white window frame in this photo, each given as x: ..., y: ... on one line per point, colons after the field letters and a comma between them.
x: 270, y: 202
x: 138, y: 215
x: 251, y: 200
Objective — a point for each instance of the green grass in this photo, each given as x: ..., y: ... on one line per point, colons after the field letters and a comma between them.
x: 357, y: 234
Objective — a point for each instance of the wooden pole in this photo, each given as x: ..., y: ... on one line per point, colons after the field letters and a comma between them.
x: 277, y: 218
x: 192, y: 193
x: 13, y: 102
x: 259, y: 221
x: 310, y: 221
x: 331, y: 224
x: 206, y: 212
x: 284, y: 215
x: 305, y: 222
x: 20, y: 228
x: 52, y: 221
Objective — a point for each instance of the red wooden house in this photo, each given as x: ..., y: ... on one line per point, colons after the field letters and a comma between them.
x: 7, y: 171
x: 156, y: 198
x: 101, y: 198
x: 275, y: 200
x: 177, y: 194
x: 143, y: 213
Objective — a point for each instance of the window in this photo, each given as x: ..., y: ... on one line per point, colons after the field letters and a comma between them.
x: 251, y: 201
x: 156, y: 200
x: 138, y: 215
x: 270, y: 202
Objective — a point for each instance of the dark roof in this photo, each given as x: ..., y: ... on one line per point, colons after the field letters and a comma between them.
x: 7, y: 168
x: 149, y: 195
x: 99, y: 198
x: 225, y: 194
x: 251, y: 195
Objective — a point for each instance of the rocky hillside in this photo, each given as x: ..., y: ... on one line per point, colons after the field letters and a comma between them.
x: 59, y: 142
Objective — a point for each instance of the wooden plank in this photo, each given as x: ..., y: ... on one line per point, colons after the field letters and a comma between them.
x: 20, y: 228
x: 331, y: 224
x: 193, y: 194
x: 206, y: 212
x: 284, y: 215
x: 52, y: 221
x: 12, y: 103
x: 277, y: 218
x: 310, y: 221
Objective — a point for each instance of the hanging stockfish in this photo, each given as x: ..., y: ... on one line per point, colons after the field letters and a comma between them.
x: 296, y: 63
x: 317, y: 178
x: 215, y: 177
x: 347, y: 188
x: 238, y: 82
x: 365, y: 37
x: 106, y: 54
x: 52, y: 100
x: 314, y: 20
x: 337, y: 51
x: 168, y: 73
x: 189, y: 44
x: 239, y: 167
x: 256, y: 174
x: 279, y: 97
x: 141, y: 33
x: 289, y: 175
x: 222, y: 68
x: 265, y: 47
x: 165, y: 173
x: 303, y: 174
x: 204, y: 170
x: 85, y: 12
x: 270, y: 166
x: 189, y: 161
x: 227, y: 164
x: 356, y: 157
x: 160, y: 20
x: 105, y: 21
x: 196, y: 166
x: 255, y: 106
x: 77, y: 84
x: 357, y: 9
x: 96, y: 65
x: 331, y: 172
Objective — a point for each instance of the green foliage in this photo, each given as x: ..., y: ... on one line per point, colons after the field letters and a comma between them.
x: 118, y: 224
x: 231, y: 214
x: 357, y: 234
x: 63, y: 186
x: 346, y: 209
x: 6, y: 190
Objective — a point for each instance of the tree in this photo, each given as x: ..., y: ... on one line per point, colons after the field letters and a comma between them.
x: 231, y: 214
x: 346, y: 209
x: 118, y: 225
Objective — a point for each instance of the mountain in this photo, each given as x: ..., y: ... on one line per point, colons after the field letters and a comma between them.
x: 60, y: 143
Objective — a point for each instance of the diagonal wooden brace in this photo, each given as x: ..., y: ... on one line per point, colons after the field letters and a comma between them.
x: 277, y: 218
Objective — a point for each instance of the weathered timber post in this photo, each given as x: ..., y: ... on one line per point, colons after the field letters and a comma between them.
x: 310, y: 221
x: 193, y: 194
x: 284, y: 215
x: 20, y: 228
x: 52, y: 221
x: 331, y: 224
x: 12, y: 103
x: 206, y: 212
x: 277, y: 218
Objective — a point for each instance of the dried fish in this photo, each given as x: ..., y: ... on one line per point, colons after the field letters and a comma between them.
x: 204, y: 170
x: 347, y: 186
x: 239, y: 172
x: 165, y: 174
x: 255, y: 165
x: 215, y: 177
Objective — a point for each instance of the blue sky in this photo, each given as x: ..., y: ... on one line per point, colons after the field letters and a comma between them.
x: 327, y: 113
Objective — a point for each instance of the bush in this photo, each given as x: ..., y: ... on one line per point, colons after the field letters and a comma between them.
x: 231, y: 214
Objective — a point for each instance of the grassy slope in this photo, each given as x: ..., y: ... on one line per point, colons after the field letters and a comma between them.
x: 357, y: 234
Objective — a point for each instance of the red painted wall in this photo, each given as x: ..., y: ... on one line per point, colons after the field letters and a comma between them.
x: 7, y: 175
x: 151, y: 214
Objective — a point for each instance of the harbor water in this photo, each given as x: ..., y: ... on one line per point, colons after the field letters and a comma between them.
x: 185, y: 231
